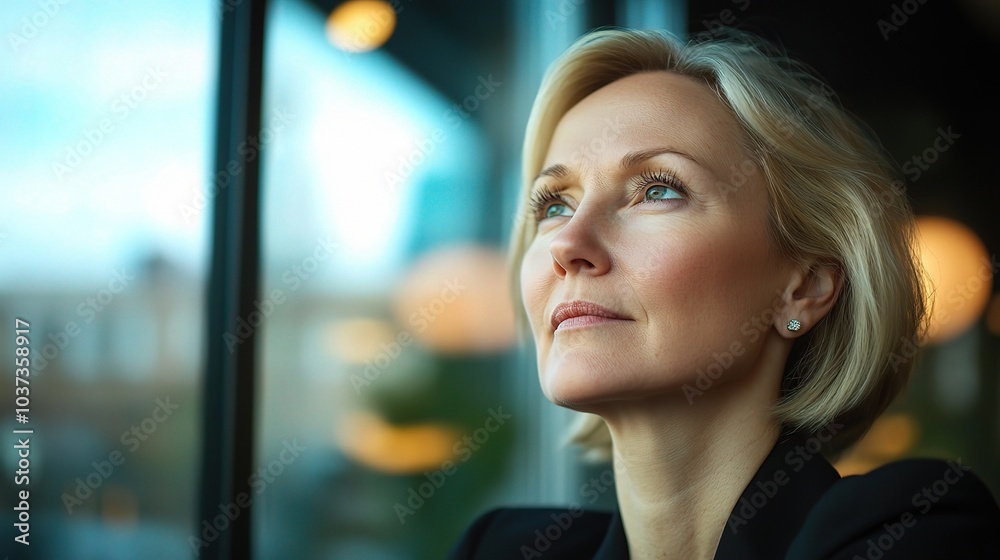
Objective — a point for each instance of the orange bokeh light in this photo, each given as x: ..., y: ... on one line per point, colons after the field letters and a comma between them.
x: 959, y: 276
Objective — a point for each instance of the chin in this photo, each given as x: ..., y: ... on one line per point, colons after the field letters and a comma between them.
x: 566, y: 388
x: 586, y: 389
x: 578, y: 390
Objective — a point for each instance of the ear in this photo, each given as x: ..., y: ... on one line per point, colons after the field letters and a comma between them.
x: 808, y: 297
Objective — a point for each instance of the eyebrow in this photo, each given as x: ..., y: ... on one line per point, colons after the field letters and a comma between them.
x: 558, y: 171
x: 630, y: 160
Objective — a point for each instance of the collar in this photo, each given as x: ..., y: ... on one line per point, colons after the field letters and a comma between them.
x: 769, y: 513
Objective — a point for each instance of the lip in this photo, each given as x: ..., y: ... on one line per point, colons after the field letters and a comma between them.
x: 580, y: 308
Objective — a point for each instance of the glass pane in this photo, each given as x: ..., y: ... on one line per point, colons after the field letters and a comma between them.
x: 387, y: 416
x: 108, y: 115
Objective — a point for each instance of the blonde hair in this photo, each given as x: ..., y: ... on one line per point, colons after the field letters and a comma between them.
x: 834, y: 200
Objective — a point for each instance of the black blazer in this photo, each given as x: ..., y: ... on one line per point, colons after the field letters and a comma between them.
x: 796, y: 507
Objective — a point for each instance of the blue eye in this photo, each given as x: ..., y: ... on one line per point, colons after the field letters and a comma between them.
x: 550, y: 214
x: 661, y: 192
x: 547, y: 204
x: 659, y: 186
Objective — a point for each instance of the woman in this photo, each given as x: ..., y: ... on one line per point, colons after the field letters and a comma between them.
x: 715, y: 266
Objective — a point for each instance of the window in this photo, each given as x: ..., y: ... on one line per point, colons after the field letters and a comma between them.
x: 103, y: 150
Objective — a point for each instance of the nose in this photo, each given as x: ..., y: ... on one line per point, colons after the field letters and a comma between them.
x: 580, y: 247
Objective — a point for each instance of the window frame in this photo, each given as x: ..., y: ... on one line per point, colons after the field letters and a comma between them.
x: 230, y: 379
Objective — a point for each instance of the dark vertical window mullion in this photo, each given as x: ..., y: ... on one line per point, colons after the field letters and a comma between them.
x: 229, y: 381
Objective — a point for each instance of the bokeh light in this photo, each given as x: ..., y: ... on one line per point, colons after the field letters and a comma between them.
x: 959, y: 276
x: 456, y: 300
x: 361, y: 25
x: 370, y: 440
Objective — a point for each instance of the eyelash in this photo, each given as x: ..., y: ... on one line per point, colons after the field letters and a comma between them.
x: 660, y: 177
x: 541, y: 199
x: 544, y: 195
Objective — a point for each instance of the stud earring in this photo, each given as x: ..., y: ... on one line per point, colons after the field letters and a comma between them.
x: 794, y: 325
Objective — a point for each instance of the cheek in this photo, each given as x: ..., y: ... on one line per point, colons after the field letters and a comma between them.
x: 674, y: 267
x: 697, y: 288
x: 537, y: 279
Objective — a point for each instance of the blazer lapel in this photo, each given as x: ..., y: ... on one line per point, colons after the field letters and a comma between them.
x: 773, y: 506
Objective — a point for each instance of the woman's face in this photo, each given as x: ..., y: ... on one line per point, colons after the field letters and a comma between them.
x: 655, y: 214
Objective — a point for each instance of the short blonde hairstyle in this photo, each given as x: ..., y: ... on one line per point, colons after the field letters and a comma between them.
x: 834, y: 198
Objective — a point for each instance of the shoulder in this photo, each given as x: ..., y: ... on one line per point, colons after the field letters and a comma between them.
x: 551, y: 533
x: 913, y: 508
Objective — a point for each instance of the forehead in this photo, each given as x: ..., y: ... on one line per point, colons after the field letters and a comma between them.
x: 646, y: 110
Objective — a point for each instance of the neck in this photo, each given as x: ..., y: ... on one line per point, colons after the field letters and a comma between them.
x: 681, y: 466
